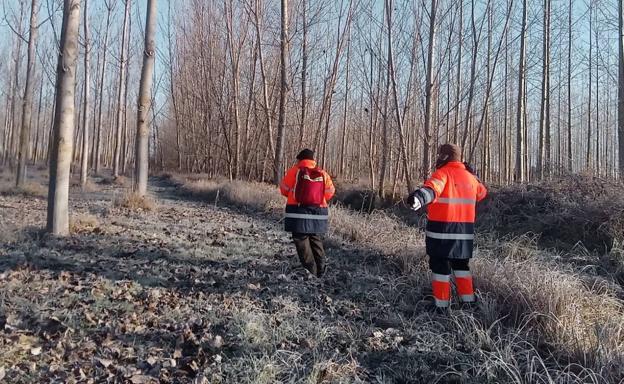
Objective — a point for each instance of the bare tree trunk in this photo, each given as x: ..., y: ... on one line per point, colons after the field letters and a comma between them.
x: 304, y: 71
x: 121, y: 104
x: 145, y: 100
x: 397, y: 109
x: 429, y: 89
x: 491, y: 70
x: 98, y: 143
x: 265, y: 91
x: 14, y: 133
x: 60, y: 163
x: 39, y: 136
x: 570, y: 165
x: 598, y: 109
x: 174, y: 103
x: 279, y: 147
x: 459, y: 72
x: 385, y: 136
x: 235, y: 63
x: 476, y: 35
x: 27, y: 101
x: 589, y: 94
x: 520, y: 119
x: 621, y: 90
x: 84, y: 163
x: 506, y: 163
x: 125, y: 147
x: 543, y: 159
x: 372, y: 122
x: 343, y: 143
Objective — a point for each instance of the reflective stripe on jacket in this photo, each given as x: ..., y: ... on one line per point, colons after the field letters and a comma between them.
x: 451, y: 216
x: 305, y: 219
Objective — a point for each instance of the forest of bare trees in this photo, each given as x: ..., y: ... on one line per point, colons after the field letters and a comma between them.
x: 235, y: 88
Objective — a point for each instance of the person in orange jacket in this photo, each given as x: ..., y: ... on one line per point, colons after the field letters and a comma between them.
x: 451, y: 195
x: 308, y: 189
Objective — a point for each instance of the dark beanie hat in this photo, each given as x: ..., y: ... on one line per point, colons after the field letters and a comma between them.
x: 306, y: 154
x: 449, y: 152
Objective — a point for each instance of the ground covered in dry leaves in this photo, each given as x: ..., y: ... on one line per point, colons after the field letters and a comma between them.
x: 191, y: 290
x: 187, y: 291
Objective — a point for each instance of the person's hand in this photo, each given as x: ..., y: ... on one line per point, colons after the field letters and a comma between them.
x: 413, y: 202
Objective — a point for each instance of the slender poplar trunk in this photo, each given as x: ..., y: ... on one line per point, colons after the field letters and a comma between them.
x: 145, y: 102
x: 60, y: 162
x: 23, y: 154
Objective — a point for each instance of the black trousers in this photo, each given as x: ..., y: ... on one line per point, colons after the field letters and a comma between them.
x: 311, y: 252
x: 443, y: 266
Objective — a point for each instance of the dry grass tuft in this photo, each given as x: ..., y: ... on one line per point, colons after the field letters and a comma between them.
x: 256, y: 196
x: 10, y: 234
x: 135, y: 202
x: 564, y: 212
x: 347, y: 371
x: 121, y: 181
x: 577, y: 323
x: 83, y: 224
x: 30, y: 189
x: 380, y: 232
x: 90, y: 187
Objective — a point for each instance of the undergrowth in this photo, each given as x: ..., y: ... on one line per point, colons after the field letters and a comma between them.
x: 538, y: 321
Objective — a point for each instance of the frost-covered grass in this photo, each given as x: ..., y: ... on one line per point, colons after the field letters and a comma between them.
x: 538, y: 321
x: 207, y: 289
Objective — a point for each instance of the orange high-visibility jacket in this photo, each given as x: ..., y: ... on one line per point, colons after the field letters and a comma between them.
x: 451, y: 214
x: 305, y: 219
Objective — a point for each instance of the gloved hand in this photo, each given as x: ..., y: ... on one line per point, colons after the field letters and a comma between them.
x: 413, y: 202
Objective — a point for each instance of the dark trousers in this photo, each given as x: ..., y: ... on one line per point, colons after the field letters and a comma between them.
x: 443, y: 266
x: 311, y: 252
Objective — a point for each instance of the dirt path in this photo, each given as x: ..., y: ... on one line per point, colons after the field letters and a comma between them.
x: 191, y: 291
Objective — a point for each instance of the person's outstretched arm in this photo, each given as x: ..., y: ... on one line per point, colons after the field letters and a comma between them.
x: 429, y: 192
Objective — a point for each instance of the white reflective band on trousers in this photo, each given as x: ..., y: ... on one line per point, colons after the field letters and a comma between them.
x: 441, y: 303
x: 450, y: 236
x: 462, y: 273
x: 305, y: 216
x: 467, y: 298
x: 457, y: 201
x: 438, y: 277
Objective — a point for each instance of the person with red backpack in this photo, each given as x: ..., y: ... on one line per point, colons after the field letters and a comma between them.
x: 308, y: 189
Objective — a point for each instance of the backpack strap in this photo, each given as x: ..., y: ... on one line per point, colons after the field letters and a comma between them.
x: 294, y: 190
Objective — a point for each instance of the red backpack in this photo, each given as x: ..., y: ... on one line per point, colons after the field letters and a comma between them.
x: 310, y: 186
